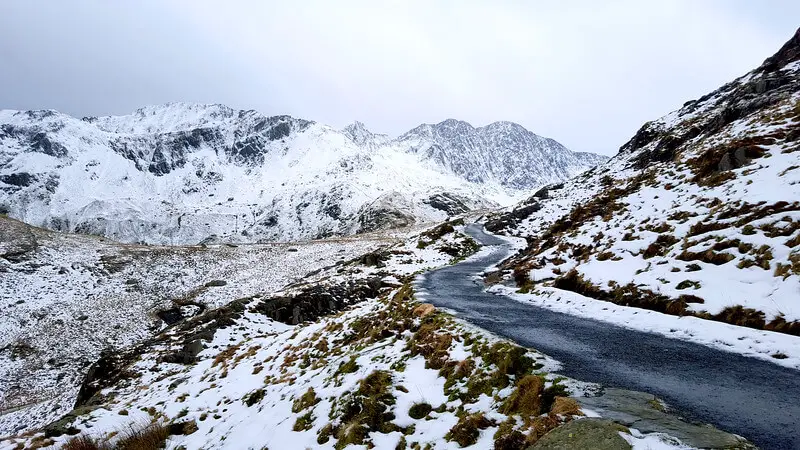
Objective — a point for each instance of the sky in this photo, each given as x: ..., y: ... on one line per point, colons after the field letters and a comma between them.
x: 586, y: 73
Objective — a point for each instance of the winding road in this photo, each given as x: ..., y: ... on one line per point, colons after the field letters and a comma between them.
x: 746, y: 396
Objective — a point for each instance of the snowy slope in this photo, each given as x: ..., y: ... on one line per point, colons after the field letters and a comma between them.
x: 385, y: 372
x: 184, y: 173
x: 65, y: 298
x: 698, y: 214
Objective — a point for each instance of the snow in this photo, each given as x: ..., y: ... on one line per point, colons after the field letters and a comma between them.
x: 762, y: 273
x: 78, y: 295
x: 183, y: 173
x: 722, y: 336
x: 262, y: 354
x: 652, y: 441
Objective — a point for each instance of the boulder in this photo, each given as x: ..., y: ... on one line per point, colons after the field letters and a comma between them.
x: 423, y: 310
x: 596, y: 434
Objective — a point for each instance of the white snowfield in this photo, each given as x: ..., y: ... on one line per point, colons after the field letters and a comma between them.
x: 185, y: 173
x: 697, y: 228
x: 262, y: 384
x: 76, y: 295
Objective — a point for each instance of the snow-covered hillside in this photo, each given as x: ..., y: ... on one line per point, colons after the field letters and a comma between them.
x: 64, y: 298
x: 698, y: 214
x: 383, y: 372
x: 185, y: 173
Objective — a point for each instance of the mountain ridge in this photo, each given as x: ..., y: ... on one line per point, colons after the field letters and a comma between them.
x: 190, y: 172
x: 697, y: 215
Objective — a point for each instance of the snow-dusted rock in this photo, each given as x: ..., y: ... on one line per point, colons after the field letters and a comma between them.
x: 186, y: 173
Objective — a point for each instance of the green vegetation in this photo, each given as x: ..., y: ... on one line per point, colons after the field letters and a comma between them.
x: 419, y: 410
x: 467, y: 430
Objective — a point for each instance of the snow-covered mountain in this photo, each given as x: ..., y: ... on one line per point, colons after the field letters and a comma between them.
x: 697, y: 215
x: 503, y: 153
x: 185, y: 173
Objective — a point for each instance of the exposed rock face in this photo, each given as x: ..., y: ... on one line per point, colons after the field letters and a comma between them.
x: 317, y: 301
x: 769, y: 85
x: 502, y: 152
x: 449, y: 203
x: 187, y: 173
x: 16, y: 241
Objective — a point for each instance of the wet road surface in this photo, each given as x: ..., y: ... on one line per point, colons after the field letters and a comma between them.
x: 746, y: 396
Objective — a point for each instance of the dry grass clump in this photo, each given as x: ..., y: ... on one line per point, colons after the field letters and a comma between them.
x: 361, y: 412
x: 152, y: 436
x: 306, y: 400
x: 745, y: 317
x: 420, y: 410
x: 661, y: 246
x: 467, y: 430
x: 704, y: 227
x: 527, y: 397
x: 708, y: 256
x: 565, y: 406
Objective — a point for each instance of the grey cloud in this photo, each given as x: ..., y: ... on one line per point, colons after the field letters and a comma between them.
x: 585, y: 74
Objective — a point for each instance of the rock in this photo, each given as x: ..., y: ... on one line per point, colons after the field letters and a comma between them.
x: 452, y: 204
x: 183, y: 428
x: 216, y: 283
x: 596, y: 434
x: 638, y: 410
x: 110, y: 367
x: 187, y: 355
x: 318, y: 300
x: 374, y: 259
x: 513, y: 217
x: 17, y: 241
x: 423, y: 310
x: 64, y: 426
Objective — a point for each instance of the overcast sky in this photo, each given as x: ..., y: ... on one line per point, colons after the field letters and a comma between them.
x: 584, y: 74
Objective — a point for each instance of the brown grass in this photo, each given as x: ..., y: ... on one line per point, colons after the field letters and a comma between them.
x: 152, y: 436
x: 565, y: 406
x: 526, y: 400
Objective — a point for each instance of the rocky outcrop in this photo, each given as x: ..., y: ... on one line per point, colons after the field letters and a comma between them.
x: 318, y: 300
x: 598, y: 434
x: 17, y: 241
x: 647, y: 414
x: 766, y: 86
x: 511, y: 218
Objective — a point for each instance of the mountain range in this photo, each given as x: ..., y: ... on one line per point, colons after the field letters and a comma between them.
x: 186, y: 173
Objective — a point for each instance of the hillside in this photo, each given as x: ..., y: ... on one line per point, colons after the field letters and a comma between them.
x: 697, y: 215
x: 189, y: 173
x: 68, y: 298
x: 346, y: 358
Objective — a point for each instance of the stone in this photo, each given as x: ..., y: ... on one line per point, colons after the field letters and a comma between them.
x: 423, y: 310
x: 644, y: 412
x: 17, y: 241
x: 597, y: 434
x: 187, y: 354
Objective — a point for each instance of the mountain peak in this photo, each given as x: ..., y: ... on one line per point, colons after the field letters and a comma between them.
x: 504, y: 125
x: 788, y: 53
x: 358, y: 133
x: 454, y: 123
